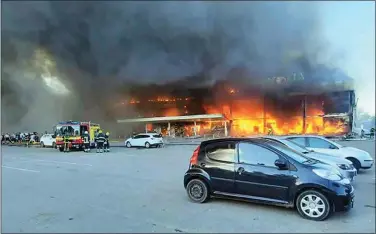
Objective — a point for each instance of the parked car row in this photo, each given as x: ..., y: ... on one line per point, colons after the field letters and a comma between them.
x: 309, y: 173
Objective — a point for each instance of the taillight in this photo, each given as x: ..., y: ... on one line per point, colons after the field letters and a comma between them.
x: 194, y: 158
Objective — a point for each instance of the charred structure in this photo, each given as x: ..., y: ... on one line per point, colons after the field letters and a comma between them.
x: 277, y: 107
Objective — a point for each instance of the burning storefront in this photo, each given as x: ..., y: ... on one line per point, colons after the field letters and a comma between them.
x: 244, y: 110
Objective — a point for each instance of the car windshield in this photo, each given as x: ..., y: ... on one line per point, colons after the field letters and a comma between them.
x: 70, y: 130
x: 296, y: 147
x: 297, y: 156
x: 334, y: 143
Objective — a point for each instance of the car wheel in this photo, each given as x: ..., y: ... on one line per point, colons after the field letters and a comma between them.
x: 147, y: 145
x: 197, y: 191
x: 42, y: 144
x: 356, y: 163
x: 313, y: 205
x: 128, y: 145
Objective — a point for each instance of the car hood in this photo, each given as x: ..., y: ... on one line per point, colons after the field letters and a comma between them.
x: 322, y: 165
x: 328, y: 158
x: 351, y: 151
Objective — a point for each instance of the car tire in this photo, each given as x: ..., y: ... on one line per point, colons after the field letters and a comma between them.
x: 197, y: 191
x: 42, y: 144
x: 54, y: 145
x: 313, y: 205
x: 147, y: 145
x: 128, y: 144
x: 356, y: 163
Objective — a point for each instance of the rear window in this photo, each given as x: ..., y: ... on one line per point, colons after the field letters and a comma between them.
x: 221, y: 151
x: 157, y: 136
x: 141, y: 136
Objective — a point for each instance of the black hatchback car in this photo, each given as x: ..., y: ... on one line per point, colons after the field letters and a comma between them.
x: 268, y: 172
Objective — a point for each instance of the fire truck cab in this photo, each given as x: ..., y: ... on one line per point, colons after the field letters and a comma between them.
x: 74, y: 131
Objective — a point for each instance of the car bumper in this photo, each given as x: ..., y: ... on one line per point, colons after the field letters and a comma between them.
x: 344, y: 202
x: 367, y: 164
x: 342, y: 197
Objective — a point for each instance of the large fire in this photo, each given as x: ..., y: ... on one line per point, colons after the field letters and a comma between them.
x: 253, y: 116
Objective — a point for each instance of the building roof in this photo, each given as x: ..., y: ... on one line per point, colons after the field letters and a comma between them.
x: 173, y: 118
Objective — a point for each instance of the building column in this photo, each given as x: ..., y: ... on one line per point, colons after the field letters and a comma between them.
x: 304, y: 113
x: 195, y: 130
x: 226, y: 133
x: 146, y: 128
x: 169, y: 129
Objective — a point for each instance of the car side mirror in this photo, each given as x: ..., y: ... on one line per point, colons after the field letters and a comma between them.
x: 53, y: 136
x: 332, y: 147
x: 281, y: 164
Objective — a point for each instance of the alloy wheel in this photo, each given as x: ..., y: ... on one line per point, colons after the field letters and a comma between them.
x: 313, y: 206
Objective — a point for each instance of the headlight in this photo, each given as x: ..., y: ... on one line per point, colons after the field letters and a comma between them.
x: 344, y: 166
x: 330, y: 175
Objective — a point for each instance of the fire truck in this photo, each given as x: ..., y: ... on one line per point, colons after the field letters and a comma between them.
x: 74, y: 131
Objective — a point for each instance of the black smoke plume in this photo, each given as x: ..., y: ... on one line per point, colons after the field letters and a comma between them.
x: 98, y: 47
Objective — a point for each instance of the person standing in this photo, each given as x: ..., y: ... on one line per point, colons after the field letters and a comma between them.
x: 100, y: 139
x: 372, y: 133
x: 86, y: 139
x: 107, y: 142
x: 66, y: 142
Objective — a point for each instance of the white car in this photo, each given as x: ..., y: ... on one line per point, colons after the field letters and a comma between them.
x: 146, y: 140
x: 48, y: 140
x: 360, y: 158
x: 344, y: 166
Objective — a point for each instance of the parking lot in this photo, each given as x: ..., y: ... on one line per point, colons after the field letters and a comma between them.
x: 141, y: 190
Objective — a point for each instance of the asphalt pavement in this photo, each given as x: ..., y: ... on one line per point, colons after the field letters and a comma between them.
x: 141, y: 190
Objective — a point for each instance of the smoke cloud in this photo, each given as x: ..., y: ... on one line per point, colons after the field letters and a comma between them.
x: 89, y: 50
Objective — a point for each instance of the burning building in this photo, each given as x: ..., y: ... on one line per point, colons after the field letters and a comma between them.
x: 281, y: 106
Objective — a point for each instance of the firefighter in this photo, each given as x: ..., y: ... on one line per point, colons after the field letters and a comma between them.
x: 86, y: 138
x: 100, y: 139
x: 66, y: 142
x: 106, y: 142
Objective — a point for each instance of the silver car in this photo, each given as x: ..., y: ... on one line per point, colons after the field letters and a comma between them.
x: 344, y: 166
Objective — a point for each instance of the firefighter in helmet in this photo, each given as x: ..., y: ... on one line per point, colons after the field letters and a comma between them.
x: 100, y: 139
x: 106, y: 142
x: 86, y: 139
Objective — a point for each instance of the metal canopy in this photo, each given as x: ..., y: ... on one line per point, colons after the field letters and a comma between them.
x: 173, y: 118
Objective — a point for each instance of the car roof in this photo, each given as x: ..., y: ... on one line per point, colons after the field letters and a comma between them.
x: 154, y: 133
x: 233, y: 139
x: 288, y: 136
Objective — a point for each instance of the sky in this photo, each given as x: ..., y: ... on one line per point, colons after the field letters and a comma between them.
x: 349, y: 28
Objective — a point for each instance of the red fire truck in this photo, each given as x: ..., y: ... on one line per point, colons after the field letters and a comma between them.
x: 74, y: 131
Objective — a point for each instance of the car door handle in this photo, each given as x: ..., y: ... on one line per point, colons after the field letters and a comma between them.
x: 240, y: 170
x: 203, y: 164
